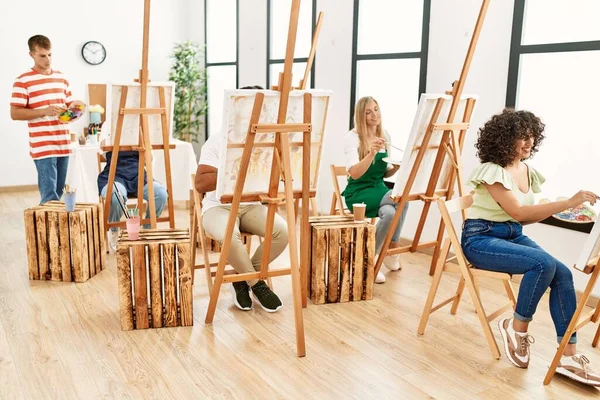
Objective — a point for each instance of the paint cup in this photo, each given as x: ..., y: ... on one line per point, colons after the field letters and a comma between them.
x: 69, y: 201
x: 133, y: 228
x: 93, y: 139
x: 359, y: 211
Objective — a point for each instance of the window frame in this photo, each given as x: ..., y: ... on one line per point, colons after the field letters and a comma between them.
x: 516, y: 50
x: 422, y: 55
x: 271, y: 61
x: 207, y: 64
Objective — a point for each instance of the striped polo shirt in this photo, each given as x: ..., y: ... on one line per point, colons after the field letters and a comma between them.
x: 48, y: 137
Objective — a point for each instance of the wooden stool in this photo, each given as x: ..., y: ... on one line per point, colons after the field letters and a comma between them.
x: 165, y: 255
x: 469, y: 275
x: 65, y: 246
x: 342, y: 260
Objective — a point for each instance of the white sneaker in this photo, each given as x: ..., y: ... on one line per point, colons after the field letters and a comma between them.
x: 380, y: 278
x: 392, y: 262
x: 578, y: 368
x: 113, y: 237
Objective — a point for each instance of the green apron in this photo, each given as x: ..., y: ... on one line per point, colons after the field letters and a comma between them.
x: 369, y: 188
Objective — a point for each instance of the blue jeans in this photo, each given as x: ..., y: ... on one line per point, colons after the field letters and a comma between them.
x: 386, y: 212
x: 502, y: 247
x: 52, y: 173
x: 160, y: 201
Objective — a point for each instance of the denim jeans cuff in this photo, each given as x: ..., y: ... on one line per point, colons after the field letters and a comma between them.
x: 521, y: 318
x: 572, y: 339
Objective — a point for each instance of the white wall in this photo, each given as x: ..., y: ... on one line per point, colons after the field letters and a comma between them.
x: 333, y: 69
x: 116, y: 24
x: 252, y: 61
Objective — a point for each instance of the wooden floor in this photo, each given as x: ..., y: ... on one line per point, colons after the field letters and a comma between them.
x: 60, y: 340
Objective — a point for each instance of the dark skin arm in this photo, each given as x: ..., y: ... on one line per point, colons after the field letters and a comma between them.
x: 206, y: 178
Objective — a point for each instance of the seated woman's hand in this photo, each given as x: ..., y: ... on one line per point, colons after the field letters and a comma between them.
x: 377, y: 145
x: 581, y: 197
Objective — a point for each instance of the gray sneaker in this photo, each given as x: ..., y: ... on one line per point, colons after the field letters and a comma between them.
x: 265, y: 296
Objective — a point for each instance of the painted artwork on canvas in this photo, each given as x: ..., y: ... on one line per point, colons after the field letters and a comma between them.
x: 130, y: 132
x: 237, y: 110
x: 422, y: 118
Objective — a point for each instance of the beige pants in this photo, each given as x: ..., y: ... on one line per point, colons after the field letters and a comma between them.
x: 251, y: 219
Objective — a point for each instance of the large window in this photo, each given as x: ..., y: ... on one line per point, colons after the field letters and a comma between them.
x: 553, y: 72
x: 221, y: 35
x: 390, y: 43
x: 278, y: 19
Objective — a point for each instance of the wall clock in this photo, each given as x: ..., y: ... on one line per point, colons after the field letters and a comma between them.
x: 93, y: 53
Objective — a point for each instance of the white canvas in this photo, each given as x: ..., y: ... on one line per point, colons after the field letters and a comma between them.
x: 130, y: 132
x: 591, y: 247
x: 237, y: 109
x: 422, y: 118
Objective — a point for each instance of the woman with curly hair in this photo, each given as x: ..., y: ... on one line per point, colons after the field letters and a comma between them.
x: 493, y: 239
x: 365, y: 147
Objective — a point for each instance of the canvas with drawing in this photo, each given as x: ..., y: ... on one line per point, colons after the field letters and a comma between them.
x: 422, y: 118
x: 237, y: 110
x: 130, y: 132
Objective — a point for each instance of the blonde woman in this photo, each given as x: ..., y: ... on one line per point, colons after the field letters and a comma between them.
x: 365, y: 147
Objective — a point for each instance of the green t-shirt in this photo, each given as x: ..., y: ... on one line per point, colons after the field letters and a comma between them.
x: 484, y: 206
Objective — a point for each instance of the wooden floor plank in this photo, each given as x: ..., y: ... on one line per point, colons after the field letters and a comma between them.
x: 63, y: 340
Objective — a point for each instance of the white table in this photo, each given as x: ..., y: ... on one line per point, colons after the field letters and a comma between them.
x: 83, y: 170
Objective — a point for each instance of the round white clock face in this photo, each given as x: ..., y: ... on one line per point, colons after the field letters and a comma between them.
x: 93, y: 53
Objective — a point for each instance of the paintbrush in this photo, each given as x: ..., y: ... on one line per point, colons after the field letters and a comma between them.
x: 397, y: 148
x: 120, y: 201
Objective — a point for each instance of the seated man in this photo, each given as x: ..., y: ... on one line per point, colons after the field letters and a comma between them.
x: 126, y: 181
x: 251, y: 219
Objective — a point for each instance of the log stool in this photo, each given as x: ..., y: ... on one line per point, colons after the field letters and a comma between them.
x: 161, y: 261
x: 342, y: 259
x: 65, y: 246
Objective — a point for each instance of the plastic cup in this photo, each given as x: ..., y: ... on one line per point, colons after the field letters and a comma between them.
x: 133, y: 228
x: 93, y: 139
x: 359, y: 211
x: 69, y: 201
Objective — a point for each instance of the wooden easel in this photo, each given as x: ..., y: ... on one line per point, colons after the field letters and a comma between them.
x: 577, y: 321
x: 450, y: 146
x: 281, y: 162
x: 302, y: 86
x: 145, y: 147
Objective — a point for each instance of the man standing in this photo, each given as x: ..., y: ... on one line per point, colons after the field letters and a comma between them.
x: 38, y: 97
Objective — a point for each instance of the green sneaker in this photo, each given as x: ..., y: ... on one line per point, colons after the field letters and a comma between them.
x: 241, y: 296
x: 265, y: 296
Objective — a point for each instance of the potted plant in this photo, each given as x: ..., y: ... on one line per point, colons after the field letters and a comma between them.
x: 189, y: 76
